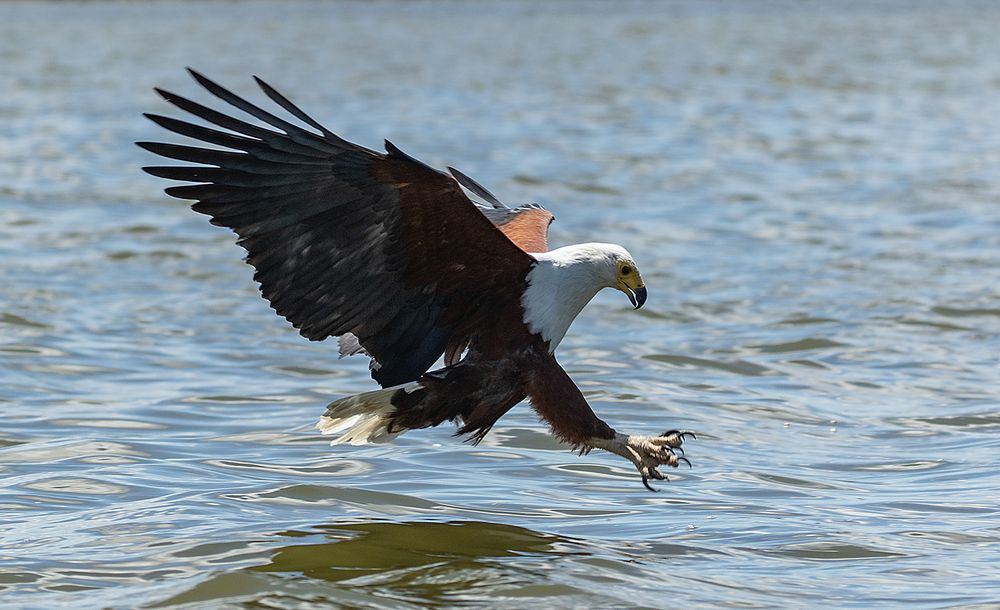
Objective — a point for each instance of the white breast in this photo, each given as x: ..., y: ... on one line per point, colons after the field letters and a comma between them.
x: 560, y: 285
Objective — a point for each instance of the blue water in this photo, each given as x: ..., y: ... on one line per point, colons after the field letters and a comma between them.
x: 810, y: 189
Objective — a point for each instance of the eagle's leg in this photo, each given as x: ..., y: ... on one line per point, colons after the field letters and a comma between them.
x: 647, y: 453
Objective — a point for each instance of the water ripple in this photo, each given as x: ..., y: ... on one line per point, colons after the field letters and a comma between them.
x: 810, y: 189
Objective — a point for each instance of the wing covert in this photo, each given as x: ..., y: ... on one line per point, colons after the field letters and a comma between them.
x: 526, y: 225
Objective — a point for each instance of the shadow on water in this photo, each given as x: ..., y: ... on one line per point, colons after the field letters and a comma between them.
x: 393, y: 564
x: 350, y: 551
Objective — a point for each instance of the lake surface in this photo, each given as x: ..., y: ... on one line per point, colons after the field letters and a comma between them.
x: 812, y: 191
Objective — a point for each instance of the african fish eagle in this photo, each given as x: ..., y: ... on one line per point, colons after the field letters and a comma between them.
x: 393, y: 258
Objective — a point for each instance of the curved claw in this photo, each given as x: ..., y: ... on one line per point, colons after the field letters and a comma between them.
x: 653, y: 473
x: 680, y: 433
x: 675, y: 449
x: 649, y: 453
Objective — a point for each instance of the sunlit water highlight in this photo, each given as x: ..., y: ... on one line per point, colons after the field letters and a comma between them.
x: 811, y: 190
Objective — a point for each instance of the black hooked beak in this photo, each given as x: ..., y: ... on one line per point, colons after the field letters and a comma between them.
x: 638, y: 299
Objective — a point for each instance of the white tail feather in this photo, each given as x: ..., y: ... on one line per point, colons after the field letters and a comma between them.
x: 363, y: 418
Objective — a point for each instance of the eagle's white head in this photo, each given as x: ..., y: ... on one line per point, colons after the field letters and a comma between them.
x: 564, y: 280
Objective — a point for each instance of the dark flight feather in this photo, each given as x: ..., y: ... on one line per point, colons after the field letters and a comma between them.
x: 345, y: 239
x: 476, y: 188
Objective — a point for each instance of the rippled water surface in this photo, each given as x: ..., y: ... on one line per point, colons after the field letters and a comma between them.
x: 811, y: 190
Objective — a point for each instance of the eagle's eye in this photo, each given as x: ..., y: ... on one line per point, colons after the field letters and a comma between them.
x: 626, y: 270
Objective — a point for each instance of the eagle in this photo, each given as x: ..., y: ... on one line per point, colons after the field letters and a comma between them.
x: 393, y: 257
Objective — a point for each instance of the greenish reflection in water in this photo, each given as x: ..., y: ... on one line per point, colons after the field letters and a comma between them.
x: 416, y: 561
x: 357, y: 550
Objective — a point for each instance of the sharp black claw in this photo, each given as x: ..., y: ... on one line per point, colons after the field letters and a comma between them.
x: 645, y: 482
x: 675, y: 449
x: 686, y: 461
x: 680, y: 434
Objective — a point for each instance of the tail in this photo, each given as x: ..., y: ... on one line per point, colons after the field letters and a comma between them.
x: 364, y: 418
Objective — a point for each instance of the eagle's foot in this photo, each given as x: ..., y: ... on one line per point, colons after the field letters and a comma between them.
x: 648, y: 453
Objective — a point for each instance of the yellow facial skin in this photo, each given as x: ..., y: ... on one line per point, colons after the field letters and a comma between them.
x: 630, y: 282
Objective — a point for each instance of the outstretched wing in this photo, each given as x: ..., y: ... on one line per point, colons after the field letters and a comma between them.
x: 345, y: 239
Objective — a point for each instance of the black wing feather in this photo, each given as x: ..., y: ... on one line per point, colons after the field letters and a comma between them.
x: 325, y: 231
x: 476, y: 188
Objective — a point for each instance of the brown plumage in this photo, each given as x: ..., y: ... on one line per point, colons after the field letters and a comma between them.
x: 391, y: 256
x: 529, y: 230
